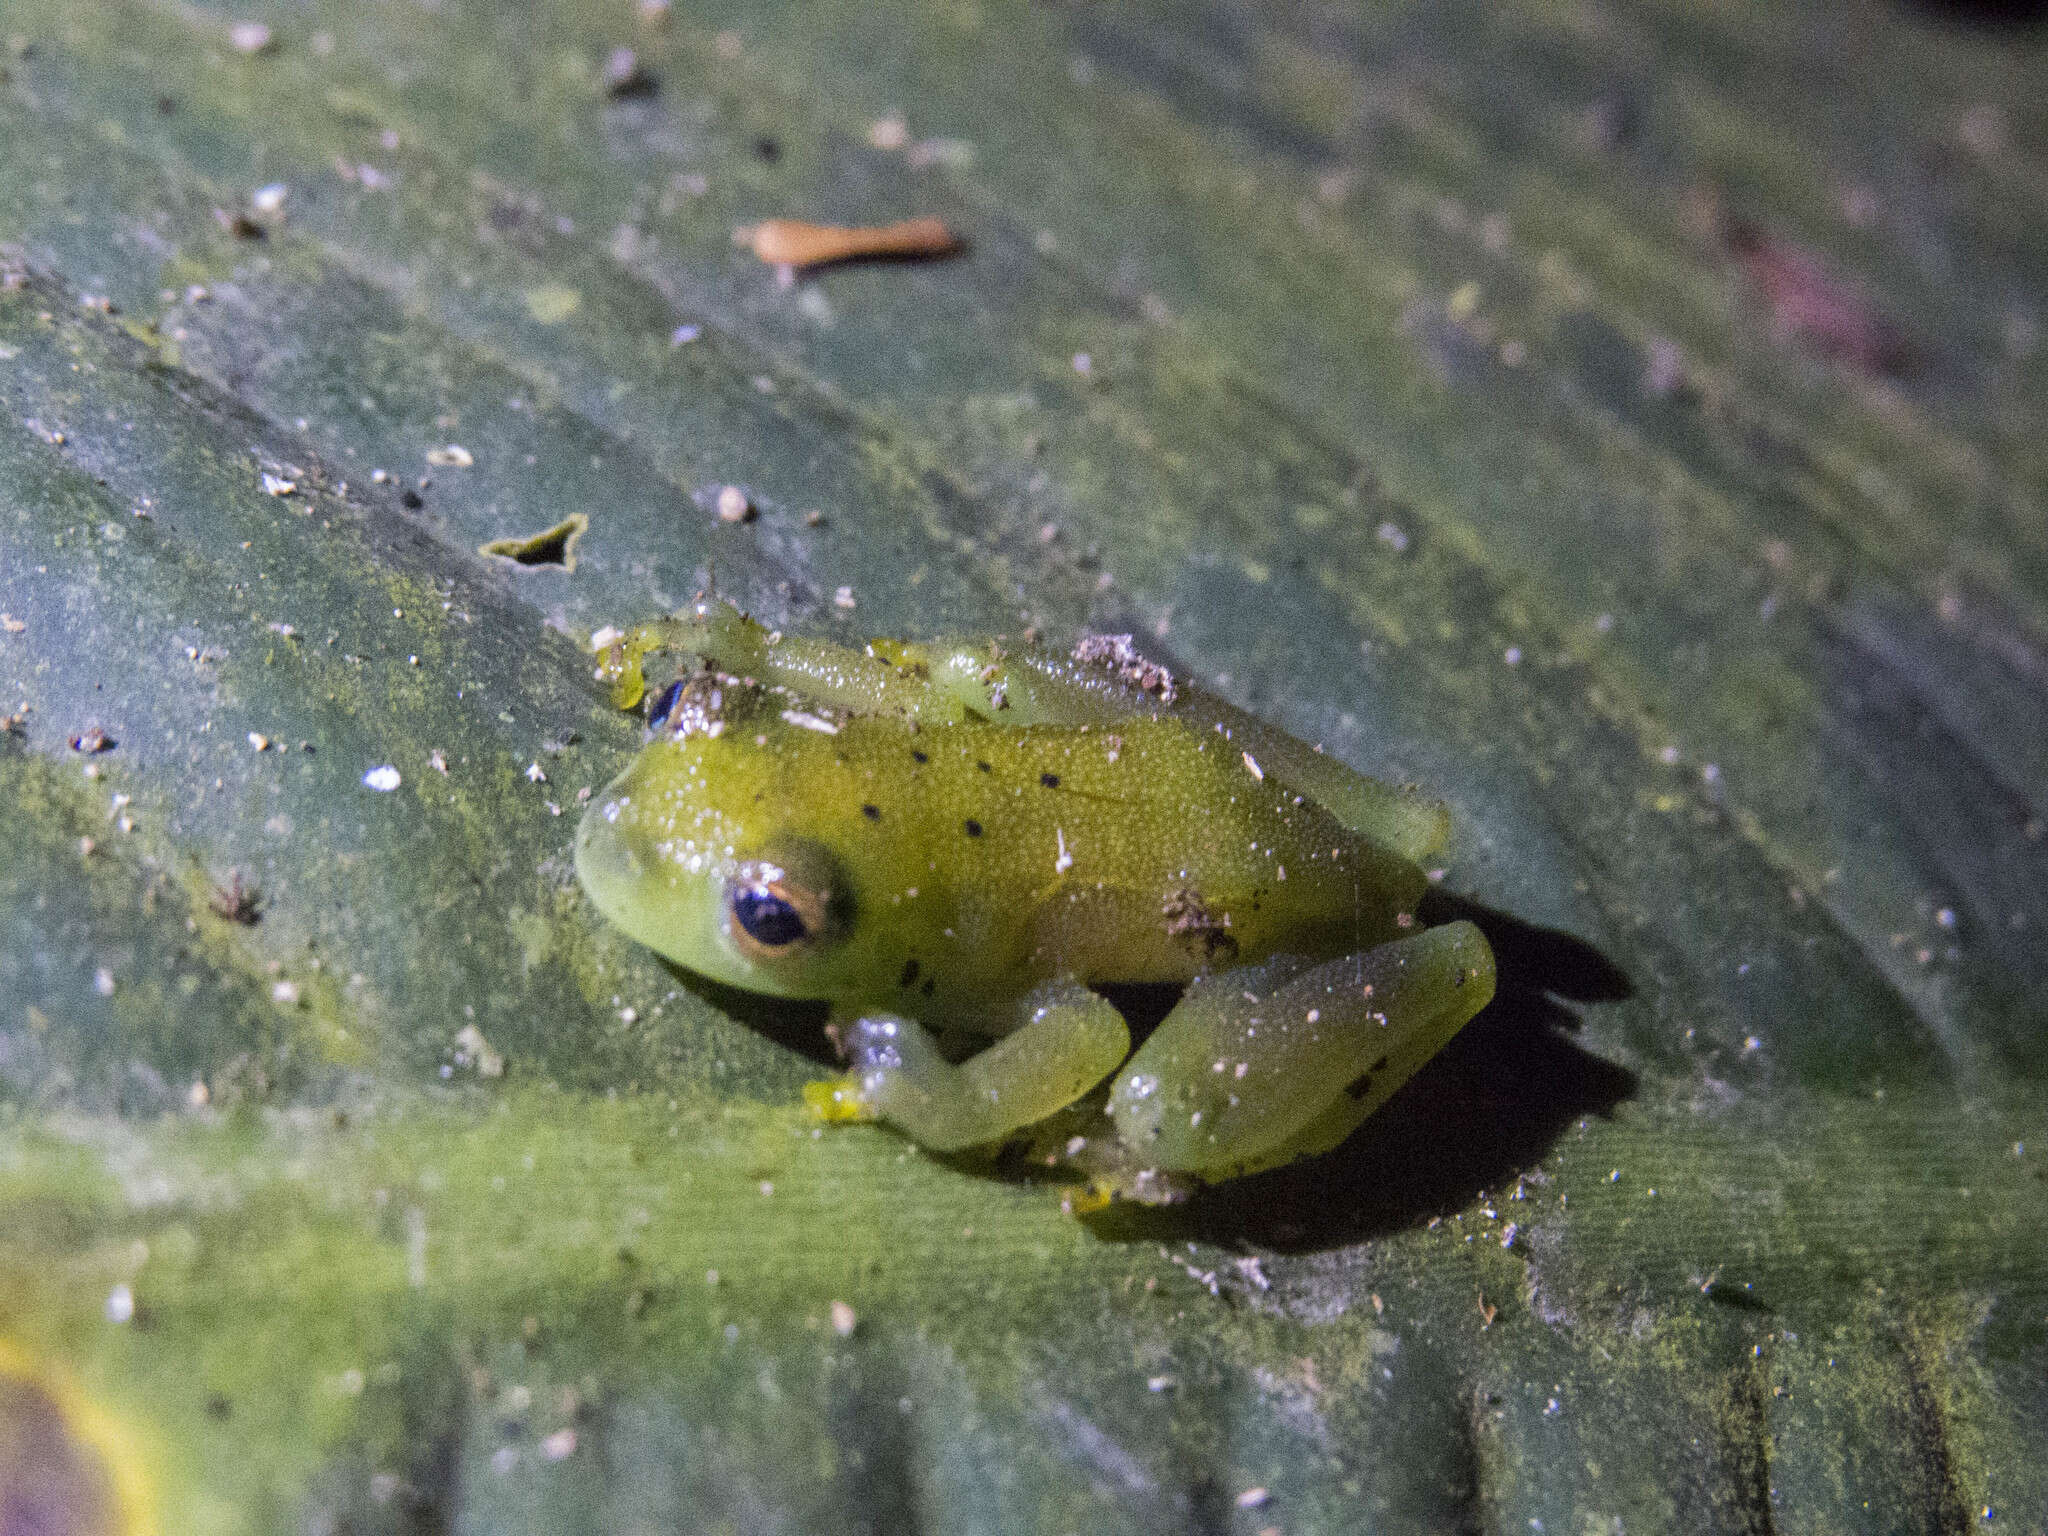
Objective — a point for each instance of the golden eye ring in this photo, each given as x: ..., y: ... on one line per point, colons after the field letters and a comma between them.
x: 771, y: 913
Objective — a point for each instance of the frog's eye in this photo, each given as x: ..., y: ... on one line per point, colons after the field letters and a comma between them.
x: 768, y: 918
x: 775, y: 910
x: 664, y: 705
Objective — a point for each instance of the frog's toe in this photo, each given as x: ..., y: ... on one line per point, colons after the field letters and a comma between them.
x: 887, y: 1055
x: 1096, y: 1195
x: 835, y: 1099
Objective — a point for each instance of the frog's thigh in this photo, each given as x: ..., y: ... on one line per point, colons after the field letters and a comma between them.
x: 1240, y: 1077
x: 1069, y: 1039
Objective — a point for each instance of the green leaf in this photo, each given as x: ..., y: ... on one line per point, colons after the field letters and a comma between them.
x: 1624, y: 421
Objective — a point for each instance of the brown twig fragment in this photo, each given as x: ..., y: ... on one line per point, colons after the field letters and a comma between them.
x: 793, y: 243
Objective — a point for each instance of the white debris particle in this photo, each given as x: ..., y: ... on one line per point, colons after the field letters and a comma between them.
x: 559, y: 1446
x: 1065, y: 860
x: 383, y: 778
x: 1083, y: 364
x: 451, y: 456
x: 733, y: 505
x: 844, y: 1319
x: 1393, y: 535
x: 1253, y: 1498
x: 271, y: 198
x: 1252, y: 765
x: 1668, y: 757
x: 1512, y: 655
x: 276, y: 485
x: 473, y: 1050
x: 843, y: 598
x: 683, y: 335
x: 259, y: 741
x: 1946, y: 917
x: 285, y: 994
x: 437, y: 760
x: 810, y: 722
x: 535, y: 774
x: 606, y: 638
x: 103, y: 982
x: 251, y: 37
x: 120, y: 1304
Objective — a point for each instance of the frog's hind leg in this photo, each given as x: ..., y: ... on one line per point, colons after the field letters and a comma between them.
x: 1399, y: 817
x: 931, y: 683
x: 1070, y: 1040
x: 1257, y: 1067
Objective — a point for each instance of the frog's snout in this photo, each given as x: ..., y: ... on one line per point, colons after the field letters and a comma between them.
x: 606, y: 861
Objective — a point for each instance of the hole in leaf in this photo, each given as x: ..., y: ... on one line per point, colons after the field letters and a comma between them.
x: 551, y: 546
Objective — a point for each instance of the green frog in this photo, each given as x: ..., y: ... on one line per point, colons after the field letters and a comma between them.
x: 953, y: 842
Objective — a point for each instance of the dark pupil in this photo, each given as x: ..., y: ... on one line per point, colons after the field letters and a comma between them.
x: 769, y: 920
x: 665, y: 705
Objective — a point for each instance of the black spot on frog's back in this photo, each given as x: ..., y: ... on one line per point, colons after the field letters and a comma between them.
x: 971, y: 827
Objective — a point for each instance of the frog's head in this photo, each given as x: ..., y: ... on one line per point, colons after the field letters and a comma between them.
x: 726, y: 845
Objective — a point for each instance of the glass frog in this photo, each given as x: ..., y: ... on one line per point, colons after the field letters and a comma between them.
x: 953, y: 842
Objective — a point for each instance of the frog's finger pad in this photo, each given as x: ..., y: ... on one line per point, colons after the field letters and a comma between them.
x: 1236, y: 1079
x: 836, y: 1099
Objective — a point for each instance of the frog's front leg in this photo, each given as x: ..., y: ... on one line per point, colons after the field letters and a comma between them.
x: 1261, y: 1065
x: 1068, y: 1040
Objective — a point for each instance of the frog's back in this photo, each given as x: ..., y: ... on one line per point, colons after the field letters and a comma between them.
x: 1004, y: 855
